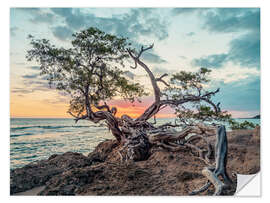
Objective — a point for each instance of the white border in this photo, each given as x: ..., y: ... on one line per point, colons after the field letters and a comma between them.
x: 265, y: 70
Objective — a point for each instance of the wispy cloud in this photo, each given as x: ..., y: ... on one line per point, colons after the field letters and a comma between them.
x: 30, y: 76
x: 233, y: 73
x: 153, y: 58
x: 21, y: 90
x: 34, y: 67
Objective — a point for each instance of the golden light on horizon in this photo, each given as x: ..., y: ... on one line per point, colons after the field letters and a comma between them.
x: 43, y: 105
x: 37, y: 105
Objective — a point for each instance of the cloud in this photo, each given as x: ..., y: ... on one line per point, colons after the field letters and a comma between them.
x: 36, y: 85
x: 73, y: 17
x: 239, y: 96
x: 34, y: 67
x: 179, y: 11
x: 38, y: 15
x: 134, y: 24
x: 21, y: 90
x: 42, y: 18
x: 57, y: 100
x: 62, y: 32
x: 232, y: 19
x: 243, y: 49
x: 137, y: 22
x: 225, y: 19
x: 153, y: 58
x: 190, y: 34
x: 13, y: 31
x: 211, y: 61
x: 32, y: 86
x: 35, y: 82
x: 233, y: 73
x: 30, y: 76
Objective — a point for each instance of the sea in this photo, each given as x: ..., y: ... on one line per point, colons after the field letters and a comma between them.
x: 33, y: 139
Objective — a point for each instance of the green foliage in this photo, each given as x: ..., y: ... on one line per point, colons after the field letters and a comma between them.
x: 191, y: 86
x: 199, y: 113
x: 187, y: 85
x: 234, y: 125
x: 89, y: 66
x: 189, y: 80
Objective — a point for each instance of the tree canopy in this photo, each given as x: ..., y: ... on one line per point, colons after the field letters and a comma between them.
x: 90, y: 66
x: 90, y: 73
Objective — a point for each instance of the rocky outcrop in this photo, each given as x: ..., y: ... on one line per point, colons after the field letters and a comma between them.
x: 38, y: 173
x: 163, y: 173
x: 102, y: 151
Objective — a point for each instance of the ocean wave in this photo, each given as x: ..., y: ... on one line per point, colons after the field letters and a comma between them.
x: 51, y: 127
x: 23, y: 134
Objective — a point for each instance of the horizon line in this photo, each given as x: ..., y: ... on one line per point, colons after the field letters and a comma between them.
x: 74, y: 118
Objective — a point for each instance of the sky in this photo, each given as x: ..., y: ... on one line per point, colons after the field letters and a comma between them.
x: 225, y: 40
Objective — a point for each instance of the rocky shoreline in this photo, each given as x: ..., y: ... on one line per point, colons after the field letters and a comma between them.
x: 102, y: 172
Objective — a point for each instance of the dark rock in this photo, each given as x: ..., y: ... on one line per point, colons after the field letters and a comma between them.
x: 39, y: 172
x: 70, y: 181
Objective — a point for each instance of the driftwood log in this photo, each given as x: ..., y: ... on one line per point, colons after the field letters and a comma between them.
x: 213, y: 172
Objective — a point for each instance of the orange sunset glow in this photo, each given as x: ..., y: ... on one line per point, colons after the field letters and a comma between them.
x: 26, y: 107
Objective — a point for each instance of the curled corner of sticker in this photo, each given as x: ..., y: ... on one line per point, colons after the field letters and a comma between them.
x: 248, y: 185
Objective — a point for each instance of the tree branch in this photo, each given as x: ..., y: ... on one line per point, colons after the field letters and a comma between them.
x: 161, y: 80
x: 154, y: 108
x: 77, y: 118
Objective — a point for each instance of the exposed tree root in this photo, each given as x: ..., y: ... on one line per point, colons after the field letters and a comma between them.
x: 202, y: 189
x: 136, y: 147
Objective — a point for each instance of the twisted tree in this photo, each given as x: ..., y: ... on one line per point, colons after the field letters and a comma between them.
x: 89, y: 73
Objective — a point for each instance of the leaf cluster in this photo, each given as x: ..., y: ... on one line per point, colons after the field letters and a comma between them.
x: 191, y: 87
x: 234, y: 125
